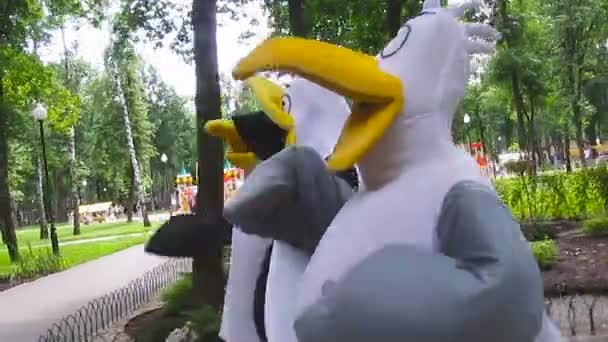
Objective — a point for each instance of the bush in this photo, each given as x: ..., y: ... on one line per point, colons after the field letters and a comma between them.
x: 38, y: 263
x: 539, y: 231
x: 177, y: 298
x: 557, y: 195
x: 205, y: 321
x: 545, y: 252
x: 596, y: 226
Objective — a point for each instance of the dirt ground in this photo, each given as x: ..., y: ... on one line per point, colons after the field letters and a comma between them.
x: 582, y: 266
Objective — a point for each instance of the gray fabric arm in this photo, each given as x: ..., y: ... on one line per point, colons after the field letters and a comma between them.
x: 290, y: 197
x: 485, y: 287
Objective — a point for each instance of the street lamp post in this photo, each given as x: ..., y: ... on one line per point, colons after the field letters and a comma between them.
x: 164, y: 159
x: 84, y: 191
x: 467, y: 120
x: 40, y: 114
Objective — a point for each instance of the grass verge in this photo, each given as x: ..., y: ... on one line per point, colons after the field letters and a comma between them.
x: 31, y: 235
x: 72, y: 255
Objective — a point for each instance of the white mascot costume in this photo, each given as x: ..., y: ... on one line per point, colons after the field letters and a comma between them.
x: 311, y: 118
x: 425, y: 251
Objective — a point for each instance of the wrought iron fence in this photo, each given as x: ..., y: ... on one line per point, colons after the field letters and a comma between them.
x: 580, y: 315
x: 577, y: 315
x: 102, y: 312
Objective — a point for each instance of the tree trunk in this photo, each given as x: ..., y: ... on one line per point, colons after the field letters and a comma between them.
x: 567, y: 152
x: 3, y: 235
x: 532, y: 138
x: 7, y: 219
x: 393, y: 16
x: 137, y: 184
x: 296, y: 18
x: 208, y: 275
x: 520, y: 111
x: 74, y: 180
x: 44, y: 231
x: 72, y: 146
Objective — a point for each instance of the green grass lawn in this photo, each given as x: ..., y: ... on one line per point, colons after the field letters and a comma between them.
x: 75, y: 254
x: 31, y: 234
x: 78, y: 253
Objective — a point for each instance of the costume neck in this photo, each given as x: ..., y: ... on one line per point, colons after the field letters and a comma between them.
x: 411, y: 139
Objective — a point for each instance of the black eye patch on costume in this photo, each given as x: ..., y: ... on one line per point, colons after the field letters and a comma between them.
x: 262, y: 135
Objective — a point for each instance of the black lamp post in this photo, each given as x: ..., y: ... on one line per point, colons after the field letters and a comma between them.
x: 40, y: 114
x: 163, y: 185
x: 467, y: 120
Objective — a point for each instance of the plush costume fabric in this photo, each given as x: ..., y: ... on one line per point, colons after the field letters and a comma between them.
x: 247, y: 257
x: 278, y: 200
x: 319, y: 116
x: 484, y: 277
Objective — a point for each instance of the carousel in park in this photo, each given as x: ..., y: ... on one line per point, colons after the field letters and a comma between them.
x: 185, y: 194
x: 184, y: 198
x: 233, y: 179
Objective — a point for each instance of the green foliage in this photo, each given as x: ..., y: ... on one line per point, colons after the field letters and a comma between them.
x: 535, y: 231
x: 518, y: 167
x: 38, y: 263
x: 555, y: 195
x: 178, y: 297
x: 545, y: 252
x: 596, y: 226
x: 78, y: 253
x: 205, y: 321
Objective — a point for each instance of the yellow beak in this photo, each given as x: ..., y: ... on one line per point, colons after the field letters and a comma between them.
x: 270, y: 97
x: 377, y: 95
x: 238, y: 153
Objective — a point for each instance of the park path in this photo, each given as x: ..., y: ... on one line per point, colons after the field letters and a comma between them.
x: 26, y: 311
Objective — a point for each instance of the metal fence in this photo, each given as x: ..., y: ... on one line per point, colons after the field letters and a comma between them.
x: 577, y: 315
x: 102, y: 312
x: 580, y: 315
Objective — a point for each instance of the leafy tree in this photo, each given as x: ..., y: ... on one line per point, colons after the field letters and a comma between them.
x: 578, y: 29
x: 121, y: 63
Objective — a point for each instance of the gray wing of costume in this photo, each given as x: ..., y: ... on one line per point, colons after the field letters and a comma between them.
x: 290, y: 197
x: 486, y: 286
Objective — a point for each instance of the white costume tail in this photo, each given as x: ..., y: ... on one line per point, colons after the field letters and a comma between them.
x: 286, y: 267
x: 248, y: 252
x: 549, y: 332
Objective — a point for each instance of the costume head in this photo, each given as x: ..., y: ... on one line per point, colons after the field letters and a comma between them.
x: 296, y: 116
x: 423, y: 69
x: 444, y: 241
x: 287, y: 117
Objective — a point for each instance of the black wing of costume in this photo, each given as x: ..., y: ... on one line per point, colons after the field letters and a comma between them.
x: 290, y: 197
x: 188, y: 235
x: 486, y: 286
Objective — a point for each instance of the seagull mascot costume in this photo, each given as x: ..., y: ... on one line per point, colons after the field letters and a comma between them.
x: 264, y: 274
x: 425, y: 251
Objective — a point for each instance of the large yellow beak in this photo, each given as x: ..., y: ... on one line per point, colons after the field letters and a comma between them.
x: 238, y: 153
x: 270, y: 97
x: 377, y: 95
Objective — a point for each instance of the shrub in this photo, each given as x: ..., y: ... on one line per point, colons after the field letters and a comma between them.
x: 545, y: 252
x: 596, y: 226
x: 177, y: 298
x: 557, y: 195
x: 205, y: 321
x: 38, y: 263
x: 539, y: 231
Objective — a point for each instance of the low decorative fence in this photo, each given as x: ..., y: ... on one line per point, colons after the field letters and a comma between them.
x: 580, y: 315
x: 577, y: 315
x: 102, y: 312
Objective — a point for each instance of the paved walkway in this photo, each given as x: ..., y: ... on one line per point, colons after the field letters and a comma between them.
x: 26, y: 311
